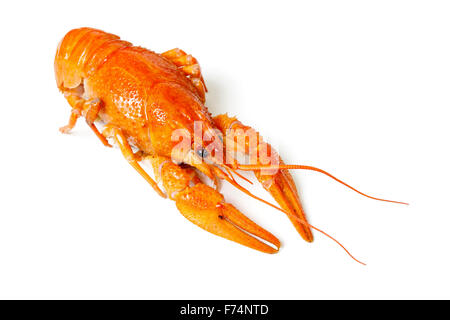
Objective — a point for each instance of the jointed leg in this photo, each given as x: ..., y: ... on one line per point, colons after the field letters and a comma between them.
x: 90, y: 109
x: 90, y: 112
x: 124, y: 146
x: 87, y: 108
x: 74, y: 115
x: 189, y: 65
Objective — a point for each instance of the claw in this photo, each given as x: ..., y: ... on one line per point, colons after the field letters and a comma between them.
x: 205, y: 207
x: 282, y: 188
x: 280, y: 184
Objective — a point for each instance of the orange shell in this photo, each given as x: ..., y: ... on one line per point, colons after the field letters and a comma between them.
x: 143, y: 93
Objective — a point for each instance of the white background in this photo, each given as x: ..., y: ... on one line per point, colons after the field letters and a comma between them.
x: 359, y: 88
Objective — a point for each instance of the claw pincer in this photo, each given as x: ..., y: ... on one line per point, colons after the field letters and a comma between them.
x: 206, y: 207
x: 279, y: 184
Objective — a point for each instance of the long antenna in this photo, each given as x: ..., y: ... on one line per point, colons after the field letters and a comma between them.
x: 294, y: 166
x: 224, y: 176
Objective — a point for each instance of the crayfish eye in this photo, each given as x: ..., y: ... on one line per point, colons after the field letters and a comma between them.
x: 202, y: 153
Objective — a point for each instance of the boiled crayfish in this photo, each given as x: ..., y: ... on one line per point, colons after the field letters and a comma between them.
x: 155, y: 104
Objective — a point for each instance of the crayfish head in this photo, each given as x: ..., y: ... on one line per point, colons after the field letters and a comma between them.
x: 199, y: 146
x: 193, y: 159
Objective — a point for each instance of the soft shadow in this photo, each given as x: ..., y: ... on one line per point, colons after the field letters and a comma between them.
x: 216, y: 98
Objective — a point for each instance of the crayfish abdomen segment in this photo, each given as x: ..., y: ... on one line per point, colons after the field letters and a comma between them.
x: 81, y: 52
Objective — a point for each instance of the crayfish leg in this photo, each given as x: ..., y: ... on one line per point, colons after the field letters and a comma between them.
x: 190, y: 67
x: 74, y: 115
x: 121, y: 140
x: 87, y: 108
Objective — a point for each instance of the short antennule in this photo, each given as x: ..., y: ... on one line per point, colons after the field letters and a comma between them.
x: 229, y: 170
x: 295, y: 166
